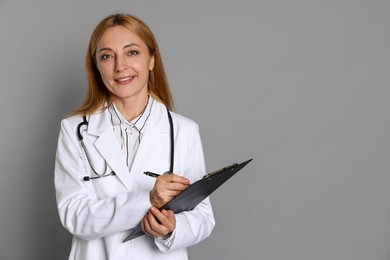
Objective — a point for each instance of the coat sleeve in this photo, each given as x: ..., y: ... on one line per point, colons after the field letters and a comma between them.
x: 81, y: 212
x: 197, y: 224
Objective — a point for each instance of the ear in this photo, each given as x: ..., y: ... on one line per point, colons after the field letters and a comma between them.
x: 151, y: 63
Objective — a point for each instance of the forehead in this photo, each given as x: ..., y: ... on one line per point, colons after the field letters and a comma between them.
x: 118, y: 36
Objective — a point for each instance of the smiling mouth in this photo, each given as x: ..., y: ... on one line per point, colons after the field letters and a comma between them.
x: 124, y: 80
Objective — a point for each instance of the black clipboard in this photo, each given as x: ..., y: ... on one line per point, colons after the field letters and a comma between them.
x: 196, y: 192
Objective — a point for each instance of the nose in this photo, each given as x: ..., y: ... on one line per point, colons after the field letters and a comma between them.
x: 120, y: 64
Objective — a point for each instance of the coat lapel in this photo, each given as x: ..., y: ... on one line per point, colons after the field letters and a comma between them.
x: 108, y: 147
x: 152, y: 154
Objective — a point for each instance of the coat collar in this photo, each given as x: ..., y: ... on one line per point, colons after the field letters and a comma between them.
x: 107, y: 145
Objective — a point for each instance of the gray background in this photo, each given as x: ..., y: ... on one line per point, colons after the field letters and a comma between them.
x: 300, y: 86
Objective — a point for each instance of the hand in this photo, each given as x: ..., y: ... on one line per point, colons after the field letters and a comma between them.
x: 167, y: 187
x: 158, y: 223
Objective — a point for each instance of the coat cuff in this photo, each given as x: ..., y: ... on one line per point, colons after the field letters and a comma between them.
x: 165, y: 243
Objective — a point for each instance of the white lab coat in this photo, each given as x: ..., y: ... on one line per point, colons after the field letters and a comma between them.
x: 101, y: 213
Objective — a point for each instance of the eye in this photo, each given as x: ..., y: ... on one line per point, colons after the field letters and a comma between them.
x: 132, y: 53
x: 105, y: 57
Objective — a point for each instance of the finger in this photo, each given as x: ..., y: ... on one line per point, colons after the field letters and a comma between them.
x: 165, y: 212
x: 157, y: 228
x: 150, y: 224
x: 170, y: 214
x: 173, y: 178
x: 166, y: 188
x: 176, y: 186
x: 159, y: 215
x: 168, y: 191
x: 167, y: 220
x: 145, y: 226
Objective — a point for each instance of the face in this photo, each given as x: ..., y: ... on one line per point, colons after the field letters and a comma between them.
x: 124, y: 63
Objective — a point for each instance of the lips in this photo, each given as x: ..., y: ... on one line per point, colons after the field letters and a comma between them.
x: 124, y: 80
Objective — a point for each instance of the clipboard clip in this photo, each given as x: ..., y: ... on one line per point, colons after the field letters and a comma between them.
x: 230, y: 167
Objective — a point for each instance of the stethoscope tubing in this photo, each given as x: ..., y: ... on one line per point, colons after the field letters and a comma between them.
x: 172, y: 142
x: 105, y: 174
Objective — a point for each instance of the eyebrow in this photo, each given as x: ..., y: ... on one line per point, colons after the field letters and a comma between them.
x: 124, y: 47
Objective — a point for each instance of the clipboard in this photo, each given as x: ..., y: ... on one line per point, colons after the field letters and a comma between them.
x: 196, y: 192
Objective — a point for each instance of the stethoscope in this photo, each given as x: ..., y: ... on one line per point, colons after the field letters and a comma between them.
x: 105, y: 174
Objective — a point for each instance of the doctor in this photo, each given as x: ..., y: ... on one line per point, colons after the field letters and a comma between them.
x: 122, y: 130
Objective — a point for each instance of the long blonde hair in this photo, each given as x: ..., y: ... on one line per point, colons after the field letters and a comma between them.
x: 97, y: 94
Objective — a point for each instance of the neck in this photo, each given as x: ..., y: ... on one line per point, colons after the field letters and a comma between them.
x: 130, y: 109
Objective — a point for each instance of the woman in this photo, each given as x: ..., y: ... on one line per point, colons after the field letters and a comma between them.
x: 121, y: 131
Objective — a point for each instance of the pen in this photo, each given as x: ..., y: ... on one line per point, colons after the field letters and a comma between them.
x: 152, y: 174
